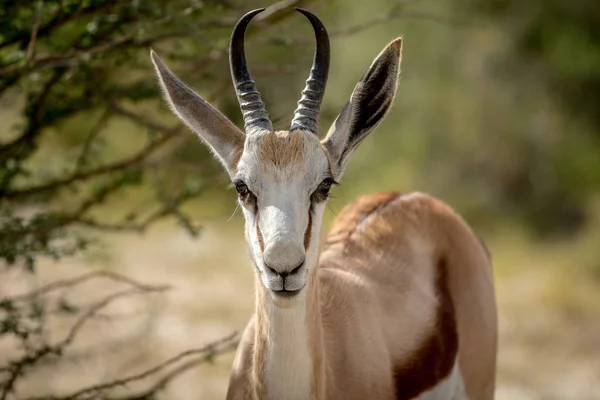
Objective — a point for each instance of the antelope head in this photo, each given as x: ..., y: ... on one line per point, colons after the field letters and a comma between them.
x: 283, y: 178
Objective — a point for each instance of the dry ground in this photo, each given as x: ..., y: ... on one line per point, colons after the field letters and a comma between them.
x: 549, y: 324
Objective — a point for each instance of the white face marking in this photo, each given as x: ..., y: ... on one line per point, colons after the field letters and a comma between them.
x: 282, y: 170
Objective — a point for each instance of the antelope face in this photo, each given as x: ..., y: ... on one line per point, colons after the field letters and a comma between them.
x: 283, y: 181
x: 283, y: 178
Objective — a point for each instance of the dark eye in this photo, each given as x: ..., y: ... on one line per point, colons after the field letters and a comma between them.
x: 325, y: 186
x: 241, y: 188
x: 322, y: 192
x: 246, y: 196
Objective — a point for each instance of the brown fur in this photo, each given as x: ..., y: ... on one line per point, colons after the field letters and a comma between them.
x: 282, y: 148
x: 308, y: 231
x: 237, y: 155
x: 400, y: 280
x: 434, y: 360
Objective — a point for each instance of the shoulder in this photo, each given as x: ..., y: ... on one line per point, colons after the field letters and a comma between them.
x: 378, y: 213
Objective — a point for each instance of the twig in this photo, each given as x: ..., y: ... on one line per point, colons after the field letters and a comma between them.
x: 140, y: 119
x: 36, y: 105
x: 165, y: 380
x: 66, y: 283
x: 65, y: 59
x: 394, y: 13
x: 16, y: 368
x: 87, y: 145
x: 52, y: 221
x: 97, y: 307
x: 138, y: 227
x: 139, y: 157
x: 34, y: 32
x: 284, y: 7
x: 220, y: 346
x: 57, y: 60
x: 127, y: 226
x: 281, y: 10
x: 60, y: 20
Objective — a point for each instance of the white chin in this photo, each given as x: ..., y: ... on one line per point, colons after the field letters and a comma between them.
x: 287, y: 299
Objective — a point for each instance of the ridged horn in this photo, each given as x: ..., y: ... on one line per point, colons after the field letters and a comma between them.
x: 253, y: 109
x: 306, y: 116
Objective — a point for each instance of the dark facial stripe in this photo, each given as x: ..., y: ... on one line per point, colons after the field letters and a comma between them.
x: 308, y: 231
x: 259, y: 235
x: 435, y: 359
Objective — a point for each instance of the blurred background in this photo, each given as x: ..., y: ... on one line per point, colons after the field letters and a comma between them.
x: 105, y: 199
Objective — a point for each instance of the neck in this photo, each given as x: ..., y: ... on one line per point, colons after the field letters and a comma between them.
x: 288, y: 352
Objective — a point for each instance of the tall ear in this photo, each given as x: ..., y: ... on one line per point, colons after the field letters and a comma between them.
x: 370, y: 101
x: 224, y: 139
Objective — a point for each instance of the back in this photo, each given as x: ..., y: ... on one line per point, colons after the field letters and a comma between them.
x: 429, y: 279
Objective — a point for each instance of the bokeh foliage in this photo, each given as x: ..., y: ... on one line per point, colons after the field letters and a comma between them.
x: 489, y: 123
x: 556, y: 45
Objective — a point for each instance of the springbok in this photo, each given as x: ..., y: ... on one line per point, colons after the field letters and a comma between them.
x: 396, y: 303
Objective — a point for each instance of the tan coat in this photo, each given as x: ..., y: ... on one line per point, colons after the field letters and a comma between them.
x: 404, y: 289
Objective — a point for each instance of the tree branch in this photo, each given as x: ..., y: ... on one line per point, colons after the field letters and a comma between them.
x: 206, y: 353
x: 396, y: 12
x: 59, y: 20
x: 34, y: 32
x: 67, y: 283
x: 17, y: 368
x: 86, y: 149
x: 135, y: 160
x: 127, y: 226
x: 64, y: 59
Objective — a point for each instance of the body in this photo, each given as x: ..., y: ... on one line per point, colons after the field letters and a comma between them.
x: 409, y: 276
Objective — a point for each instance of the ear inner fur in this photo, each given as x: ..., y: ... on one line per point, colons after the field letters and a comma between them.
x: 369, y: 103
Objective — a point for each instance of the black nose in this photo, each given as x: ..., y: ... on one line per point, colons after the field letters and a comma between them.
x: 285, y: 273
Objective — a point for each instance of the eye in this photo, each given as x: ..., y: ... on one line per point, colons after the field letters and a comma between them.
x: 325, y: 186
x: 241, y: 188
x: 322, y: 192
x: 246, y: 196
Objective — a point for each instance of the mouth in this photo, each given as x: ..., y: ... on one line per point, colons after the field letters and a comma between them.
x: 286, y: 294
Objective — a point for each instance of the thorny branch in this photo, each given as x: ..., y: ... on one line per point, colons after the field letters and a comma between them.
x: 34, y: 32
x: 30, y: 63
x: 17, y: 368
x: 63, y: 59
x: 60, y: 20
x: 396, y: 12
x: 206, y: 353
x: 82, y: 158
x: 136, y: 159
x: 129, y: 226
x: 68, y: 283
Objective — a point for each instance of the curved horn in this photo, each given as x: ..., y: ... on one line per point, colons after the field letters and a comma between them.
x: 253, y: 109
x: 306, y: 115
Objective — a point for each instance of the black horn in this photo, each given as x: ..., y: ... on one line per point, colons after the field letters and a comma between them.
x: 253, y: 109
x: 306, y: 116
